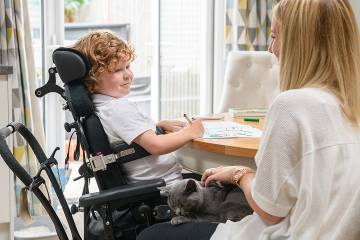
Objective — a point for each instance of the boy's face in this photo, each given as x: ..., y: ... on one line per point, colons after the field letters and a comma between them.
x: 116, y: 84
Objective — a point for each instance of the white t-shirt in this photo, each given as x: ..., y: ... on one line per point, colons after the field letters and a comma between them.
x: 122, y: 121
x: 308, y: 171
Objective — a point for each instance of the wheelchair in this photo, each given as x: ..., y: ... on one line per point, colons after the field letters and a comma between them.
x: 119, y: 210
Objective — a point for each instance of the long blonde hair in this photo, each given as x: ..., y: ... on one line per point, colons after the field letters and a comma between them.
x: 320, y: 47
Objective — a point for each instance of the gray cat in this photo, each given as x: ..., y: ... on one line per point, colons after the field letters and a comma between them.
x: 192, y: 202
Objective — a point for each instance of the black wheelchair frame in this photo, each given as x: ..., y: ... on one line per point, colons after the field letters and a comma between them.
x: 139, y: 203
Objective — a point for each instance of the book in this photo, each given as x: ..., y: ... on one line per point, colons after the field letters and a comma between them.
x: 241, y: 112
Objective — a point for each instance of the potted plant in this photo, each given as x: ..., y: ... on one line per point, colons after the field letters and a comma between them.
x: 71, y: 7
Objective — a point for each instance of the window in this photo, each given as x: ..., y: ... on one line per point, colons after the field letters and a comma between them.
x: 182, y: 50
x: 131, y: 19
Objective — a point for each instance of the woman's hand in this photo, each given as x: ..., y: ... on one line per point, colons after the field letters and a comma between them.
x: 172, y: 125
x: 222, y: 174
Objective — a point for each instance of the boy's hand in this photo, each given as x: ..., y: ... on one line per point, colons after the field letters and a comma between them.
x: 196, y: 129
x: 172, y: 125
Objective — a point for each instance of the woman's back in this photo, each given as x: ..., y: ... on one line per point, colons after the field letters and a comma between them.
x: 325, y: 179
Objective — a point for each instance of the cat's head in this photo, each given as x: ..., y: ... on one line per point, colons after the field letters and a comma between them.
x: 184, y: 196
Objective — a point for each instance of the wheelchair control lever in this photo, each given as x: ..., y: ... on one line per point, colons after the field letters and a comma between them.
x: 48, y: 162
x: 74, y: 209
x: 37, y: 181
x: 84, y: 171
x: 69, y: 126
x: 54, y: 152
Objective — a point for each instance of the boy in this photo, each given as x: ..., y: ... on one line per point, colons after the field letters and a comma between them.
x: 109, y: 81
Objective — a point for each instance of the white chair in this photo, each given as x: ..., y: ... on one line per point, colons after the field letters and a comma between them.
x: 251, y: 80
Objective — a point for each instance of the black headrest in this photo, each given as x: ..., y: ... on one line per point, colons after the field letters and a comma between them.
x: 71, y: 64
x: 72, y: 68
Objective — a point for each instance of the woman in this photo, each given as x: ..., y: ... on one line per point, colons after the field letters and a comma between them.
x: 307, y: 184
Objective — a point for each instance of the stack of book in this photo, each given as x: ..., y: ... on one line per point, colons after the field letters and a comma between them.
x: 241, y: 112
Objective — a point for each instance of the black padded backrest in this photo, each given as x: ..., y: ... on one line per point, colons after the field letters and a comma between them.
x: 72, y: 68
x: 99, y: 144
x: 79, y: 99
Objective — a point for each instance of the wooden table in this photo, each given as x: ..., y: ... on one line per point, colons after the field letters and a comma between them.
x: 238, y: 147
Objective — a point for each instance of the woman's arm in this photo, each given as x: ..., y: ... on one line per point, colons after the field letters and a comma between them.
x: 245, y: 185
x: 162, y: 144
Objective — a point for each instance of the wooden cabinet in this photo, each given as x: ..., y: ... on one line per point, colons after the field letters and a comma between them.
x: 6, y: 176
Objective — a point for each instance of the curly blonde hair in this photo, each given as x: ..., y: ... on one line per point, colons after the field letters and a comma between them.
x: 104, y: 51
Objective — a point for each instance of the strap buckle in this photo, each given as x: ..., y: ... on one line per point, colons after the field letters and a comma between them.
x: 125, y: 152
x: 99, y: 162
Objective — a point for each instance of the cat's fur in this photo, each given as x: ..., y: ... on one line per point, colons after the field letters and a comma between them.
x: 192, y: 202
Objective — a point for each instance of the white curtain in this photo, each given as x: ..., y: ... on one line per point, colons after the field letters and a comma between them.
x: 16, y: 50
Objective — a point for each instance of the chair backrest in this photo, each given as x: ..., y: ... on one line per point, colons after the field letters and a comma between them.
x: 72, y: 67
x: 251, y: 80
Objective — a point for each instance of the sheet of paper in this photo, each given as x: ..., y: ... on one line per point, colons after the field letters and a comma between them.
x: 221, y: 129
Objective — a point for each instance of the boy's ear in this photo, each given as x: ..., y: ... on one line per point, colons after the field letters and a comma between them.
x: 190, y: 186
x: 164, y: 191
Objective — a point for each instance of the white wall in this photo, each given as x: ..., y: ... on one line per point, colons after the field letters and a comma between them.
x: 356, y: 7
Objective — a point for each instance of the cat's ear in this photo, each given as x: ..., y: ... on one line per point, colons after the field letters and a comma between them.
x: 190, y: 186
x: 164, y: 191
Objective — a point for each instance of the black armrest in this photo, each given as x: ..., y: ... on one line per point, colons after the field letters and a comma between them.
x: 140, y: 190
